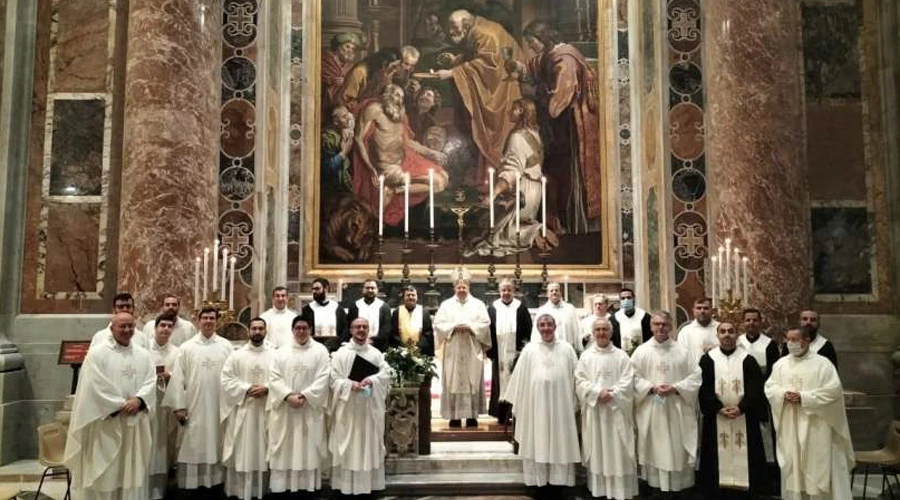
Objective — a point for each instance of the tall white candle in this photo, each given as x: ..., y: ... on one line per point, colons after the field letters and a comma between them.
x: 206, y: 273
x: 543, y: 206
x: 231, y: 288
x: 380, y: 205
x: 566, y: 289
x: 406, y: 204
x: 197, y: 283
x: 224, y: 266
x: 215, y: 256
x: 518, y: 185
x: 491, y: 193
x: 720, y: 274
x: 713, y: 262
x: 727, y: 264
x: 431, y: 198
x: 746, y: 284
x: 736, y: 284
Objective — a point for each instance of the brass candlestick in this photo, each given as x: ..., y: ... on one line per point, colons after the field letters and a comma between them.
x: 492, y: 291
x: 432, y: 296
x: 545, y: 274
x: 379, y: 272
x: 517, y: 273
x: 729, y: 308
x: 404, y: 255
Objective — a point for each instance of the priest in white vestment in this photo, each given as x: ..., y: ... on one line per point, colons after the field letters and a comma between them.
x: 542, y: 392
x: 193, y: 395
x: 165, y: 427
x: 666, y: 384
x: 110, y: 433
x: 356, y: 442
x: 819, y: 344
x: 732, y: 457
x: 278, y: 319
x: 604, y: 382
x: 298, y: 398
x: 699, y: 336
x: 463, y: 326
x: 183, y: 331
x: 812, y: 437
x: 377, y: 311
x: 631, y: 324
x: 567, y: 327
x: 510, y: 332
x: 123, y: 302
x: 329, y: 321
x: 599, y: 310
x: 242, y: 410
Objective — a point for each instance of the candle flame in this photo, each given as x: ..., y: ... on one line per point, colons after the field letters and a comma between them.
x: 232, y: 260
x: 206, y: 250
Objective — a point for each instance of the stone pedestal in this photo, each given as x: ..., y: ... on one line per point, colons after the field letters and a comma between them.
x: 171, y: 139
x: 401, y: 422
x: 756, y: 153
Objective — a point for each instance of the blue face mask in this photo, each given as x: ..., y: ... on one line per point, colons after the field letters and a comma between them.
x: 627, y: 304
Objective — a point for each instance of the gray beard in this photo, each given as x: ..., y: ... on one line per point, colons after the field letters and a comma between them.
x: 393, y: 111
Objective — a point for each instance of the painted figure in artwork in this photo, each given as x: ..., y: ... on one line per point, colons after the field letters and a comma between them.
x: 336, y: 63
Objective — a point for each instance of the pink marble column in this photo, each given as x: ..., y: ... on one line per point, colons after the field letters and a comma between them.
x: 169, y: 195
x: 756, y: 149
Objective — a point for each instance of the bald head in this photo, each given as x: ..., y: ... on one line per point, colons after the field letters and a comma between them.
x: 122, y: 327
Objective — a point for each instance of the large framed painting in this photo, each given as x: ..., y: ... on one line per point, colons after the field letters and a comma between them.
x: 488, y: 126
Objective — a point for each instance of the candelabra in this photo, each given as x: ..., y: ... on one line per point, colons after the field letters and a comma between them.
x: 517, y: 273
x: 379, y: 271
x: 404, y: 255
x: 432, y: 296
x: 225, y: 314
x: 492, y: 291
x: 545, y: 274
x: 729, y: 308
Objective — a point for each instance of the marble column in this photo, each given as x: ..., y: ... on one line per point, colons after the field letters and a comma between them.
x: 340, y: 16
x: 756, y: 148
x: 171, y: 144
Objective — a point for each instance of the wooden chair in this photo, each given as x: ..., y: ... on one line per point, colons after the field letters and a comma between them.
x: 51, y: 450
x: 887, y: 459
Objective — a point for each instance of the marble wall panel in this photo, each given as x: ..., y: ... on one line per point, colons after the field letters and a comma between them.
x: 831, y: 49
x: 81, y: 43
x: 76, y: 163
x: 72, y: 247
x: 835, y: 151
x: 842, y: 250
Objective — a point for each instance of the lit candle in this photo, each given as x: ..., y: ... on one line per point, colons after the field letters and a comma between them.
x: 406, y: 205
x: 206, y: 273
x: 231, y: 290
x: 737, y: 272
x: 720, y: 286
x: 431, y: 198
x: 713, y: 262
x: 224, y: 261
x: 566, y: 289
x: 745, y: 262
x: 518, y: 183
x: 491, y: 193
x: 215, y: 256
x: 197, y: 283
x: 543, y: 206
x: 727, y: 264
x: 380, y: 205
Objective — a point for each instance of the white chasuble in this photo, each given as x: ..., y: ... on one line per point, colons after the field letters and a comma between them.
x: 108, y: 452
x: 462, y: 376
x: 698, y: 339
x: 812, y: 438
x: 731, y: 433
x: 194, y: 386
x: 567, y: 326
x: 297, y: 437
x: 278, y: 326
x: 244, y: 421
x: 542, y: 392
x: 356, y: 442
x: 666, y: 425
x: 506, y: 337
x: 607, y: 429
x: 165, y: 427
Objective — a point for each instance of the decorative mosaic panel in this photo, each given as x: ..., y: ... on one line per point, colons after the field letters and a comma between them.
x: 626, y: 179
x: 686, y: 149
x: 237, y: 173
x: 297, y: 86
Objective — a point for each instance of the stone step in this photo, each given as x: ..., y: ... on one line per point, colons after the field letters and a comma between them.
x: 455, y: 483
x: 459, y: 458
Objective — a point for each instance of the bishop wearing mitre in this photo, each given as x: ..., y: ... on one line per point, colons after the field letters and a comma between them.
x: 604, y: 382
x: 463, y: 326
x: 732, y: 402
x: 360, y: 381
x: 298, y: 398
x: 666, y: 383
x: 242, y: 409
x: 109, y: 441
x: 812, y: 439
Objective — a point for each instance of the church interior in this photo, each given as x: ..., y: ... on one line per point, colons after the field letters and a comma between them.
x: 213, y: 150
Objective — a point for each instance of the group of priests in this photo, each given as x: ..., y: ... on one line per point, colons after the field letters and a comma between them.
x: 306, y: 395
